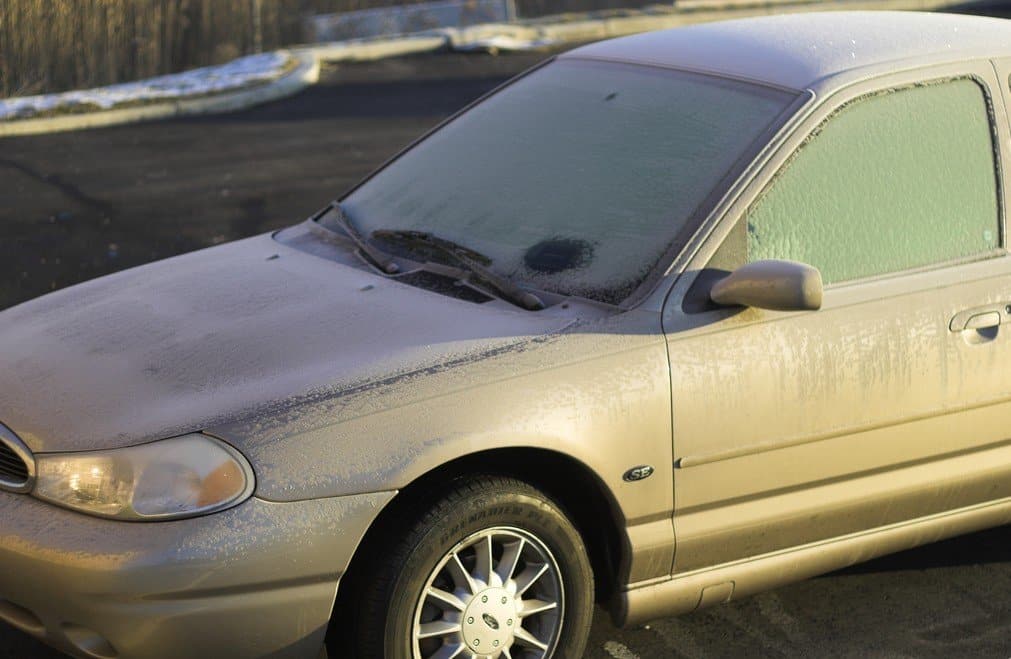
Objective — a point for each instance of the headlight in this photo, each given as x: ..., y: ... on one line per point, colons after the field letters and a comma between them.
x: 179, y: 477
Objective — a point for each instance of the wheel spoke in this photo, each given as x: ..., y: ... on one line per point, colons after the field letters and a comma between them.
x: 482, y: 568
x: 510, y: 559
x: 437, y: 628
x: 461, y: 577
x: 450, y: 651
x: 533, y: 607
x: 444, y: 600
x: 529, y: 576
x: 524, y: 637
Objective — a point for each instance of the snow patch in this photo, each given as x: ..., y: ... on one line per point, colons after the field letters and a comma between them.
x: 242, y: 72
x: 504, y: 43
x: 619, y: 650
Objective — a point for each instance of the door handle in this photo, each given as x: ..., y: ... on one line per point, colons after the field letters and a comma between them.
x: 983, y: 320
x: 980, y: 318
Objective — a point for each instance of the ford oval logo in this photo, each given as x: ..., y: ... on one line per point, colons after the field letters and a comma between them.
x: 491, y: 622
x: 637, y: 473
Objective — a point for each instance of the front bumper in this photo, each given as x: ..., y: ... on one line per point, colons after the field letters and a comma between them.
x: 257, y: 580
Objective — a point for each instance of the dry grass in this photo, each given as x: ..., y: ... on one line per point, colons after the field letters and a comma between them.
x: 55, y: 45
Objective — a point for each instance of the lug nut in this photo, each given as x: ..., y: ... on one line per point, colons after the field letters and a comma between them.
x: 495, y: 643
x: 484, y: 599
x: 470, y: 621
x: 509, y: 622
x: 477, y: 642
x: 503, y: 600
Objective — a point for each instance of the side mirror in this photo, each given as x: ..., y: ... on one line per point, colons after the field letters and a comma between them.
x: 777, y: 285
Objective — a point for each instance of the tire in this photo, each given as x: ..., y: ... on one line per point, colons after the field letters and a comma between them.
x: 542, y: 608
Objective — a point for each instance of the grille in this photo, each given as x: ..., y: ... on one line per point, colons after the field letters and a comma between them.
x: 13, y: 470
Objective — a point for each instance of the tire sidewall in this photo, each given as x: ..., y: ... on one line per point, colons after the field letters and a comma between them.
x: 500, y: 507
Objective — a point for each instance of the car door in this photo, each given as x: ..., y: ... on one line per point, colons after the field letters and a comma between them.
x: 794, y: 428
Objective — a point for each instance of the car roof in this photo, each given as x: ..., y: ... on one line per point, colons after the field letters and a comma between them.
x: 804, y: 49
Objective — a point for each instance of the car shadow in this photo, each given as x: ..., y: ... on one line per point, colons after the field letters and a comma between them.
x: 981, y: 548
x: 995, y: 8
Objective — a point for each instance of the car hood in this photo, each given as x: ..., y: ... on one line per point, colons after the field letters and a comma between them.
x: 221, y: 335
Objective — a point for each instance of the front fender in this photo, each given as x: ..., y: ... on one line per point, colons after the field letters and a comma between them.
x: 600, y: 394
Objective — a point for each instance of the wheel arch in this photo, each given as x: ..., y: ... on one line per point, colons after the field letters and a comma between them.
x: 580, y: 493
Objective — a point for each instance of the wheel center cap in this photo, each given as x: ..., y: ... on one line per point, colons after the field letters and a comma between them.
x: 489, y: 621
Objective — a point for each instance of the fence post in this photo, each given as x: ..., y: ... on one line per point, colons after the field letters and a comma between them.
x: 258, y: 26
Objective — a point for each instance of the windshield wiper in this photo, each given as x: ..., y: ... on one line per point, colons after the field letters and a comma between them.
x: 378, y: 257
x: 466, y: 258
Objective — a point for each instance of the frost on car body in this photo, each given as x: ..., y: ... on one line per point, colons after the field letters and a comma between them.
x: 727, y: 308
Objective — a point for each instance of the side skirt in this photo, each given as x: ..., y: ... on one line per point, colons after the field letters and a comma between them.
x: 683, y: 593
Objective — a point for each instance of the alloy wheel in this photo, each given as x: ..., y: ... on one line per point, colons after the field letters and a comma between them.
x: 497, y: 594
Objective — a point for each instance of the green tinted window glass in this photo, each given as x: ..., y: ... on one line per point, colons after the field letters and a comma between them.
x: 893, y: 181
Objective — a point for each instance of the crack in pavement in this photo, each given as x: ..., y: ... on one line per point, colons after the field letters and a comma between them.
x: 66, y: 188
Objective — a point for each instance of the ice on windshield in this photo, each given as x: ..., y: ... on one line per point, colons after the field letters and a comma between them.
x: 577, y: 178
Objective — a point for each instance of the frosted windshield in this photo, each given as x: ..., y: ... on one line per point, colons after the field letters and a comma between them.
x: 577, y: 178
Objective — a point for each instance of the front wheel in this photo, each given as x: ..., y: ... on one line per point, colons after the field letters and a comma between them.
x: 493, y: 568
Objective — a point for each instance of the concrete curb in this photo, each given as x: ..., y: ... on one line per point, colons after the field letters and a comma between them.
x: 365, y: 50
x: 578, y: 28
x: 305, y: 73
x: 704, y: 11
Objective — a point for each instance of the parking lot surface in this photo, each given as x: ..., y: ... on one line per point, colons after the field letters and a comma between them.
x: 77, y: 205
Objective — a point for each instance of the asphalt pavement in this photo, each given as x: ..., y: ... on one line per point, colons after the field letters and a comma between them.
x: 78, y: 205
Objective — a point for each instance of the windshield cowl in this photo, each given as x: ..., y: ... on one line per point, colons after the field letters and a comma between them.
x: 474, y: 266
x: 468, y: 268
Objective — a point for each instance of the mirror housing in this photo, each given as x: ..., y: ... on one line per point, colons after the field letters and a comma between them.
x: 775, y: 285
